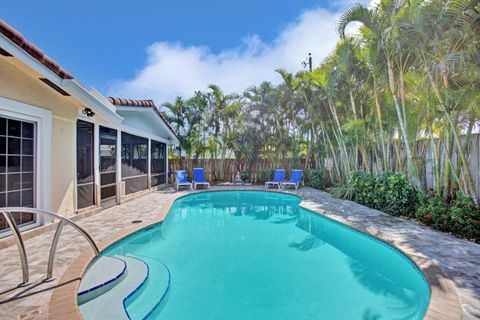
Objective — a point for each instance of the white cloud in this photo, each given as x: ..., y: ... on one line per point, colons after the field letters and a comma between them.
x: 173, y: 69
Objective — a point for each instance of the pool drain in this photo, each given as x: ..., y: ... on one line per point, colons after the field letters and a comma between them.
x: 137, y: 221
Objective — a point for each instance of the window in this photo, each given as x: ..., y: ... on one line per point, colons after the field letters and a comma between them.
x: 158, y: 163
x: 134, y: 163
x: 17, y: 168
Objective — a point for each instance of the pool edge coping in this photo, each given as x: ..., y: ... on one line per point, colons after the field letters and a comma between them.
x: 444, y: 299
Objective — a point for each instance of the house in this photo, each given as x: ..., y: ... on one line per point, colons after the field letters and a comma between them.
x: 68, y: 149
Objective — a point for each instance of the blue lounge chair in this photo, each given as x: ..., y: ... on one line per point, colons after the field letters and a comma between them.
x: 181, y: 180
x: 295, y: 179
x: 199, y: 178
x: 278, y: 178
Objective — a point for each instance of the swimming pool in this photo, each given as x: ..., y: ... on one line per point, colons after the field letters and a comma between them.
x: 259, y: 255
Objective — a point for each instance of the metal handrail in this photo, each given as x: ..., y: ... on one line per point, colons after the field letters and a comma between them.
x: 8, y: 214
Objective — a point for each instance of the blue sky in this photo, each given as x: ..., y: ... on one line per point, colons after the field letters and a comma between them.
x: 160, y: 49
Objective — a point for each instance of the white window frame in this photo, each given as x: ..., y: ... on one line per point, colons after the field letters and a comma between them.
x: 43, y: 135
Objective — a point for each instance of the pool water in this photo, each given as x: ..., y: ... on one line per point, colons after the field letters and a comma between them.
x: 258, y: 255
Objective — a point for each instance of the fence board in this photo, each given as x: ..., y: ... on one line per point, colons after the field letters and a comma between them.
x: 226, y: 170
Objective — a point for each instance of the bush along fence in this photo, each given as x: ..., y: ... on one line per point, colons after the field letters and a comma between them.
x: 394, y: 194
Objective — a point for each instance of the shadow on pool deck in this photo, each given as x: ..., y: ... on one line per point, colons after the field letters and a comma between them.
x: 458, y: 258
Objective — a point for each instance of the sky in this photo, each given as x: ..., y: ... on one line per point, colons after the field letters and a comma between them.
x: 148, y: 49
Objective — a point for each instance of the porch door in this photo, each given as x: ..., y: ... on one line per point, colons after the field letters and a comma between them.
x: 108, y: 166
x: 158, y: 156
x: 134, y: 163
x: 17, y: 168
x: 85, y: 172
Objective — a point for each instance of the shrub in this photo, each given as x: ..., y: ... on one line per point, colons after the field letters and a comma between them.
x: 464, y: 217
x: 396, y: 193
x: 363, y: 184
x: 315, y: 178
x: 459, y: 217
x: 343, y: 191
x: 432, y: 211
x: 389, y: 192
x: 265, y: 175
x: 245, y: 176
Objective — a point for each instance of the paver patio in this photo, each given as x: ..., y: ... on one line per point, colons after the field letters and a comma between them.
x: 457, y: 258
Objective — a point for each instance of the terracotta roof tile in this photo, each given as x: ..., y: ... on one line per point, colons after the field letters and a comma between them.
x: 16, y: 37
x: 131, y: 102
x: 141, y: 103
x: 51, y: 64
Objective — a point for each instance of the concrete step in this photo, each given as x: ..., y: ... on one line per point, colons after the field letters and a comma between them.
x: 110, y: 305
x: 104, y: 274
x: 143, y: 303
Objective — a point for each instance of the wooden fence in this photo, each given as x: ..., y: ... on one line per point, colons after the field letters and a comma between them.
x: 438, y: 153
x: 226, y: 170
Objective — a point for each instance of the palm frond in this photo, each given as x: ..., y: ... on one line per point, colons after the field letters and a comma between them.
x: 357, y: 13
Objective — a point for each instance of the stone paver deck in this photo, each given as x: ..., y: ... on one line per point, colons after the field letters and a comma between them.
x: 31, y: 302
x: 457, y: 258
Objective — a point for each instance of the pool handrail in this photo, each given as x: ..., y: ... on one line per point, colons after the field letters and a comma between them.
x: 8, y: 214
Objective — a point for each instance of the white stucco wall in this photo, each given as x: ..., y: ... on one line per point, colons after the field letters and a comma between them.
x: 16, y: 84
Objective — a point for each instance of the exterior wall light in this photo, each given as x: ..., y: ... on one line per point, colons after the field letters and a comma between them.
x: 88, y: 112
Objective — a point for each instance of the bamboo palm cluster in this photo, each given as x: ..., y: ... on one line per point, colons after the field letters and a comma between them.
x: 404, y: 88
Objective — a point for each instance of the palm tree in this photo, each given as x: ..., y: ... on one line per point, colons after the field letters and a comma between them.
x: 176, y: 116
x: 438, y: 34
x: 402, y: 95
x: 382, y: 23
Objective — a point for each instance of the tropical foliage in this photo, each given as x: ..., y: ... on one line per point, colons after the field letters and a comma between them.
x: 264, y: 176
x: 394, y: 194
x: 389, y: 192
x: 458, y: 216
x: 315, y: 178
x: 406, y: 85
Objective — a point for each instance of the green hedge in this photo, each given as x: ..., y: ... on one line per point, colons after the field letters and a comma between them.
x: 315, y: 178
x: 264, y: 176
x: 458, y: 216
x: 246, y: 176
x: 388, y: 192
x: 394, y: 194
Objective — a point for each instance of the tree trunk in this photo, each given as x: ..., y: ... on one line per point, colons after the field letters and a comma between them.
x: 461, y: 153
x: 380, y: 123
x: 411, y: 167
x: 466, y: 145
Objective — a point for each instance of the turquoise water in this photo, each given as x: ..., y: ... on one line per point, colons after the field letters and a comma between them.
x: 258, y: 255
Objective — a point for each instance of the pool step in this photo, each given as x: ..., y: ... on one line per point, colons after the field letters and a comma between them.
x: 147, y: 300
x: 104, y: 274
x: 110, y: 305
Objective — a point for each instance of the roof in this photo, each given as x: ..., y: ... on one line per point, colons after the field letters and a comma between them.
x: 131, y: 102
x: 16, y: 37
x: 148, y: 103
